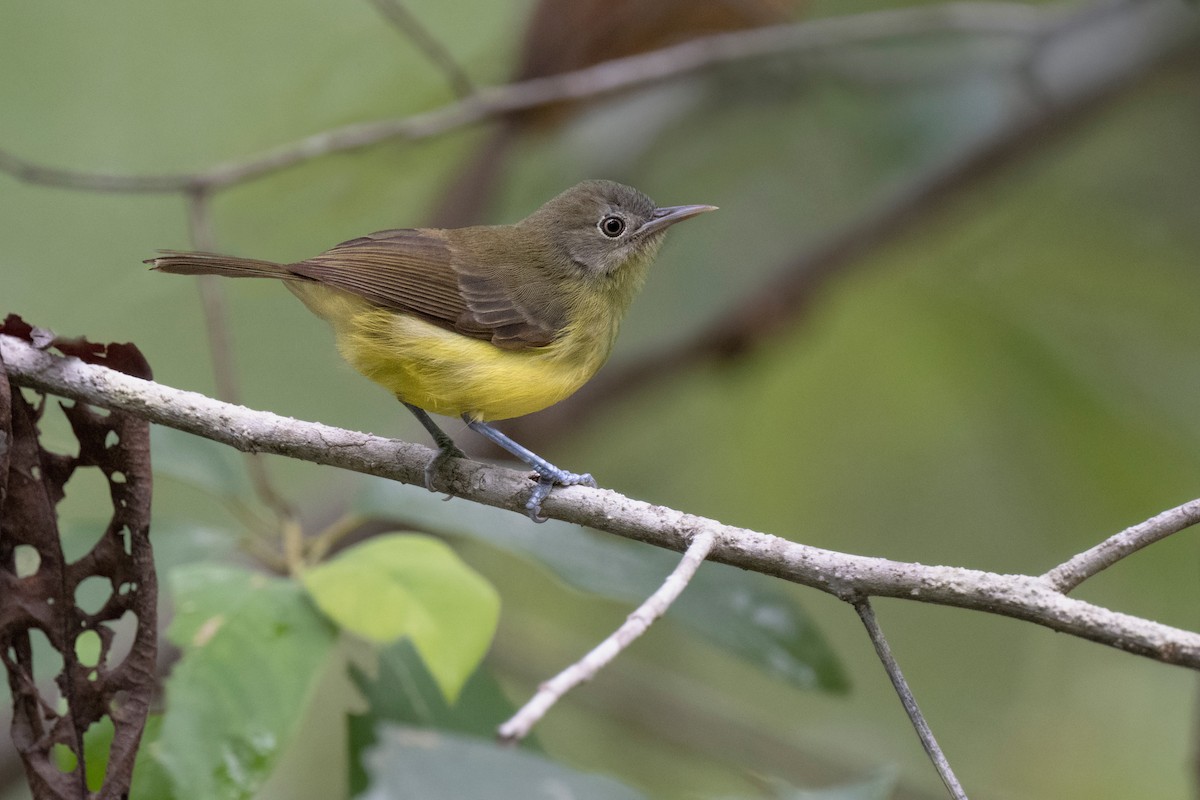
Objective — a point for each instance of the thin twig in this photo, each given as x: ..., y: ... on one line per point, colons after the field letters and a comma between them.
x: 664, y: 708
x: 843, y: 575
x: 212, y: 301
x: 220, y: 349
x: 322, y: 543
x: 867, y: 614
x: 40, y: 174
x: 549, y: 693
x: 407, y: 23
x: 1076, y: 570
x: 266, y: 555
x: 994, y: 19
x: 292, y: 538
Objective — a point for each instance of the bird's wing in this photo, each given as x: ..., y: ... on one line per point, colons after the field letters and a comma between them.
x: 417, y: 272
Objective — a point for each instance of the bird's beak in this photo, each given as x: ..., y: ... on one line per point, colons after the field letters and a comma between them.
x: 665, y: 217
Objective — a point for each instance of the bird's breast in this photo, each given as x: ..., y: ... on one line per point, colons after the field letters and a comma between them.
x: 447, y: 373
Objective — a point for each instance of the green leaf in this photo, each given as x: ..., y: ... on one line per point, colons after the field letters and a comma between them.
x: 254, y: 648
x: 150, y: 779
x: 747, y: 614
x: 408, y: 585
x: 439, y: 766
x: 404, y: 692
x: 96, y: 743
x: 758, y: 620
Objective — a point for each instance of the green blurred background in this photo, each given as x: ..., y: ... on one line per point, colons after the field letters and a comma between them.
x: 1001, y: 377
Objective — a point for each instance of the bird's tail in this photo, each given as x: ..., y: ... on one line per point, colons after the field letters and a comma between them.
x: 213, y: 264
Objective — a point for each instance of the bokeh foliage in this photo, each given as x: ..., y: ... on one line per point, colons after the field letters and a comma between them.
x: 1006, y: 382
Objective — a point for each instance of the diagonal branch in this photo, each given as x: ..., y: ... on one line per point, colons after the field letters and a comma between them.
x: 1076, y: 570
x: 843, y: 575
x: 395, y: 12
x: 637, y: 623
x: 867, y: 614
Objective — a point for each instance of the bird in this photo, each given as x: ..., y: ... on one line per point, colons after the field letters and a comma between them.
x: 485, y: 322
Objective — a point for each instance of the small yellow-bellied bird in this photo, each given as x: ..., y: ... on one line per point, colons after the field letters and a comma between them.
x: 487, y: 322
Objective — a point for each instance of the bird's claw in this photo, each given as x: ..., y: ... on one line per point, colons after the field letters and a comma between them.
x: 435, y: 465
x: 533, y: 506
x: 582, y: 479
x: 546, y: 482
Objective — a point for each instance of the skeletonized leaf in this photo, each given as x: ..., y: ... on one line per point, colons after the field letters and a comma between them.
x: 38, y: 585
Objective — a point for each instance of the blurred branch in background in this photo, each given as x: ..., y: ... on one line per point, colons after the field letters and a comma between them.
x: 408, y: 24
x: 622, y: 74
x: 565, y: 36
x: 220, y: 347
x: 1075, y: 60
x: 1073, y: 56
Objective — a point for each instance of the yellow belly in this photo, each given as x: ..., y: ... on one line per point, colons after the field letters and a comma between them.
x: 447, y: 373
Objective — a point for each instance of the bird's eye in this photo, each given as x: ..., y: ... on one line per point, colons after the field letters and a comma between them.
x: 612, y: 226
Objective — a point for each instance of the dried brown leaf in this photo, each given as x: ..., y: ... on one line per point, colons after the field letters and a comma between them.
x: 32, y: 482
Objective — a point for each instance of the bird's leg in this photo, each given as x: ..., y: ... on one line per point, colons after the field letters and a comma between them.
x: 548, y: 474
x: 447, y: 449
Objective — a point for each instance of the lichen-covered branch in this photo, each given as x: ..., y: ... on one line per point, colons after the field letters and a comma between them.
x: 844, y: 575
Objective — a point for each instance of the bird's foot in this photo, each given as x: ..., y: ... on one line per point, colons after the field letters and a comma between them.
x: 548, y: 477
x: 546, y: 473
x: 434, y: 468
